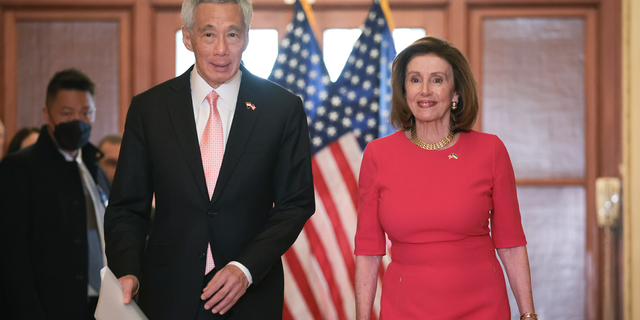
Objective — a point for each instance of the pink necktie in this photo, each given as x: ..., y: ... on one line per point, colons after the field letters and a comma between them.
x: 211, y: 150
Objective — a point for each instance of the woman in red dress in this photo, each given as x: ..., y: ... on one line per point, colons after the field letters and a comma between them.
x: 432, y: 188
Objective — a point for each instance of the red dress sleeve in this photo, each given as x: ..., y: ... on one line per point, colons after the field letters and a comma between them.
x: 506, y: 226
x: 370, y: 237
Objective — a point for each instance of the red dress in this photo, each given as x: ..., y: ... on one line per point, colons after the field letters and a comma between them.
x: 435, y: 207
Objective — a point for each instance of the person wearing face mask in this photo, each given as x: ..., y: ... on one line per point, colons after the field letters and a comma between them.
x: 53, y: 195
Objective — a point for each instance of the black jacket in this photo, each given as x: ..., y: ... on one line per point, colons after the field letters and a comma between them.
x: 43, y: 232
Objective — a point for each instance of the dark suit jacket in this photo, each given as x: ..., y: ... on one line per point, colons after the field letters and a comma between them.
x: 43, y: 233
x: 266, y: 162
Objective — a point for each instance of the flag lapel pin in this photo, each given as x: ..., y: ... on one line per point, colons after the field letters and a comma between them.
x: 250, y: 106
x: 453, y: 156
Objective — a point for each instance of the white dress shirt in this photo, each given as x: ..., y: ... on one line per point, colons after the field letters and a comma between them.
x: 228, y: 97
x: 98, y: 205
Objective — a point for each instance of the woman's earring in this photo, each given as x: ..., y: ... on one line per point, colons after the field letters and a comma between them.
x: 454, y: 105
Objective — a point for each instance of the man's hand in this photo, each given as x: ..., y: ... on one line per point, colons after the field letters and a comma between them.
x: 130, y: 285
x: 226, y: 287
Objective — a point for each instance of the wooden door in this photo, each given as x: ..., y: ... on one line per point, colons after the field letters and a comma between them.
x: 542, y: 85
x: 538, y: 94
x: 39, y: 42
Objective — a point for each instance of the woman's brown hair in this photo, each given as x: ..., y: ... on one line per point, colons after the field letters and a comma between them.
x: 463, y: 118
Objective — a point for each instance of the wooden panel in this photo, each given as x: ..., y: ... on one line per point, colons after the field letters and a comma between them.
x: 10, y: 78
x: 631, y: 154
x: 269, y: 18
x: 142, y: 47
x: 348, y: 18
x: 457, y: 22
x: 55, y: 51
x: 431, y: 19
x: 345, y: 3
x: 610, y: 102
x: 66, y: 3
x: 630, y: 169
x: 166, y: 24
x: 45, y: 47
x: 259, y: 4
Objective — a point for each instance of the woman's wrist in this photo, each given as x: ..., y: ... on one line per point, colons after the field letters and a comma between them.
x: 529, y: 316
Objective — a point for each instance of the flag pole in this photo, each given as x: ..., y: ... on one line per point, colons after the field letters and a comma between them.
x: 384, y: 4
x: 310, y: 17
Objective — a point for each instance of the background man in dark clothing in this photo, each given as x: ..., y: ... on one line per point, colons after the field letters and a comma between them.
x: 52, y: 198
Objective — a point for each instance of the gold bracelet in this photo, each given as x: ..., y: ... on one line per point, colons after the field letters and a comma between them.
x: 529, y: 315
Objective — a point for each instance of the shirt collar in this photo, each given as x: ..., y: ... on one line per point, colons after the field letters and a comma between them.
x: 69, y: 158
x: 228, y: 91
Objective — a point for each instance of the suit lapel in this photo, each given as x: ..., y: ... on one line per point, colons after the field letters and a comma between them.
x: 180, y: 107
x: 244, y: 120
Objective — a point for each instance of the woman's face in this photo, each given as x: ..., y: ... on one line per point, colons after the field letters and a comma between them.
x: 429, y: 88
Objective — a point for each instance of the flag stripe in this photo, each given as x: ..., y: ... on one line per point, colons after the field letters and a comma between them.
x: 332, y: 212
x: 286, y: 314
x: 299, y: 275
x: 352, y: 152
x: 346, y: 174
x: 339, y: 192
x: 325, y: 231
x: 314, y: 274
x: 318, y: 251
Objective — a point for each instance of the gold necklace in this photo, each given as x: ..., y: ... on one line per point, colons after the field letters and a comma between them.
x: 429, y: 146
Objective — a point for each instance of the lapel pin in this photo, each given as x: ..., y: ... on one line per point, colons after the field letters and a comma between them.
x: 250, y: 105
x: 453, y: 156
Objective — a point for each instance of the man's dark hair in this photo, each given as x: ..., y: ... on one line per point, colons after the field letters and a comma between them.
x: 69, y: 79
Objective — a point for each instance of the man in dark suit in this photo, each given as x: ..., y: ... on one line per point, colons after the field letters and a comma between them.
x: 242, y: 216
x: 52, y: 200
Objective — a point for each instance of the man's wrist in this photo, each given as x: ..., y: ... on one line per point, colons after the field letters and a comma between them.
x: 138, y: 288
x: 244, y: 270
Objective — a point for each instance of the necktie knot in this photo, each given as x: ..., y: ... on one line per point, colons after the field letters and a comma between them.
x: 212, y: 97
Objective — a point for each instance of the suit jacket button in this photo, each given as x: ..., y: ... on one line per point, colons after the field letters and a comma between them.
x: 202, y: 255
x: 78, y: 240
x: 79, y: 277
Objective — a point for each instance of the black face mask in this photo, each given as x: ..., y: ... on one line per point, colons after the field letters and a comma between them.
x: 72, y: 135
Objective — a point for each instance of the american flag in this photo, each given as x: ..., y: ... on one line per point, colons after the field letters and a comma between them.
x: 299, y: 66
x: 346, y: 115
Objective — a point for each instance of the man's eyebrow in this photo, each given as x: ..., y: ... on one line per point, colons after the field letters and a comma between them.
x: 206, y: 27
x: 235, y: 28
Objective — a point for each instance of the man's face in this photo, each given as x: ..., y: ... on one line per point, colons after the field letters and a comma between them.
x: 218, y: 39
x: 70, y: 105
x: 110, y: 159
